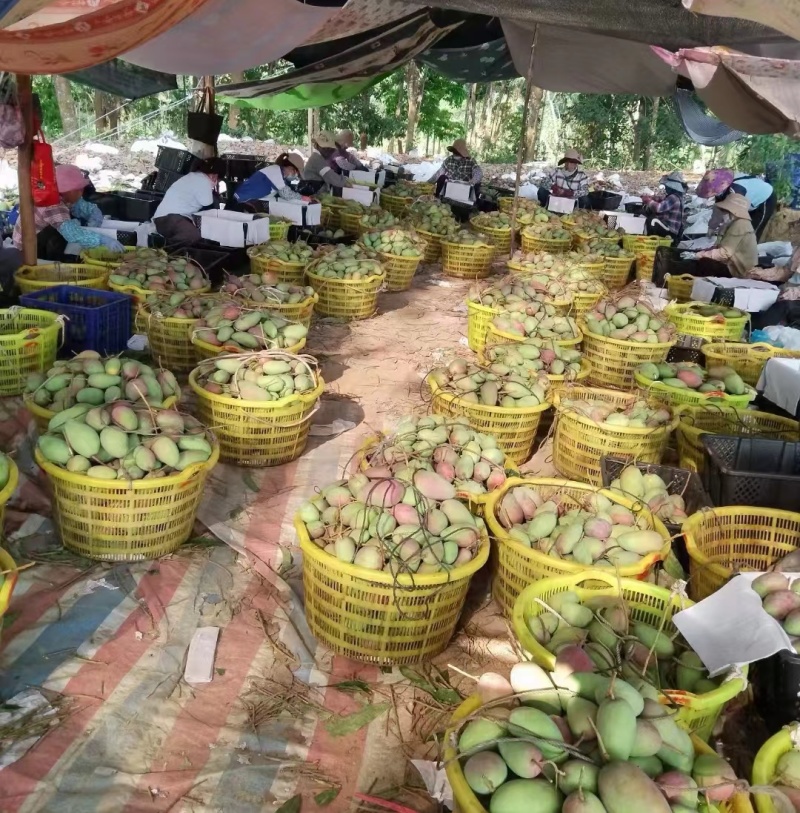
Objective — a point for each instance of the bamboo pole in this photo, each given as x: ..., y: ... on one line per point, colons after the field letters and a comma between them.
x: 24, y: 158
x: 523, y: 137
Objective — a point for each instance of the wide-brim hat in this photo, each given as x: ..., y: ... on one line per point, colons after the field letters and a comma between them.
x: 324, y: 139
x: 714, y: 183
x: 674, y: 181
x: 571, y: 155
x: 297, y: 161
x: 70, y: 179
x: 738, y: 205
x: 459, y: 146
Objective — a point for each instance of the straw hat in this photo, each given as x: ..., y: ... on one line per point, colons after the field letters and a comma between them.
x: 297, y: 161
x: 674, y: 182
x: 324, y: 139
x: 70, y: 179
x: 460, y: 147
x: 571, y: 155
x: 345, y: 138
x: 737, y: 205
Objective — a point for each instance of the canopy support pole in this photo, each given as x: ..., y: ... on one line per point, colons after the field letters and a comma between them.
x: 522, y: 149
x: 24, y: 159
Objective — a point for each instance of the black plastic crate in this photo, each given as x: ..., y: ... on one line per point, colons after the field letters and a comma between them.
x: 776, y: 689
x: 165, y: 179
x: 668, y: 261
x: 241, y: 167
x: 108, y: 203
x: 752, y: 471
x: 139, y: 206
x: 175, y: 160
x: 604, y: 200
x: 634, y: 208
x: 96, y: 320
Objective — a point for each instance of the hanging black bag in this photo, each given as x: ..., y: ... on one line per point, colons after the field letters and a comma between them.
x: 202, y: 126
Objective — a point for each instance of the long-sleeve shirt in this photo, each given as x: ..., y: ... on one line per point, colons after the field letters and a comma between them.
x: 576, y: 182
x: 670, y: 212
x: 458, y: 168
x: 347, y: 160
x: 260, y: 185
x: 318, y: 169
x: 66, y: 220
x: 737, y: 247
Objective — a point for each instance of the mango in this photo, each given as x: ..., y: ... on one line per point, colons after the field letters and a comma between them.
x: 82, y: 439
x: 577, y: 774
x: 770, y: 583
x: 641, y: 542
x: 647, y: 741
x: 101, y: 473
x: 780, y: 603
x: 485, y: 772
x: 617, y: 689
x: 527, y: 794
x: 581, y: 717
x: 787, y: 769
x: 523, y: 758
x: 582, y: 802
x: 624, y: 788
x: 689, y: 671
x: 679, y: 788
x: 715, y: 777
x: 479, y: 735
x: 166, y: 450
x: 734, y: 384
x: 114, y: 441
x: 524, y: 722
x: 616, y: 729
x: 55, y: 449
x: 655, y: 640
x: 676, y: 750
x: 535, y: 687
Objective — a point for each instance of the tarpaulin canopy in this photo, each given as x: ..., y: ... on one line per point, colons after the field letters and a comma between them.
x: 783, y: 15
x: 123, y: 79
x: 699, y: 125
x: 303, y: 97
x: 753, y: 94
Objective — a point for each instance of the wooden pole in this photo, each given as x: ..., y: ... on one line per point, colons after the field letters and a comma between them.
x: 523, y: 136
x: 208, y: 82
x: 24, y: 158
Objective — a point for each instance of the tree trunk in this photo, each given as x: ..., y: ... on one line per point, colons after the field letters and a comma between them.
x: 427, y: 144
x: 66, y: 104
x: 469, y: 116
x: 313, y: 124
x: 532, y: 124
x: 651, y: 134
x: 233, y: 110
x: 101, y: 122
x: 482, y: 130
x: 416, y: 84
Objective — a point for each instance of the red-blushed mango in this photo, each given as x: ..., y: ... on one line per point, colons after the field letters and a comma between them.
x: 626, y: 788
x: 432, y: 486
x: 780, y: 603
x: 485, y: 772
x: 679, y: 788
x: 523, y: 758
x: 492, y: 686
x: 715, y: 777
x: 582, y: 802
x: 527, y: 795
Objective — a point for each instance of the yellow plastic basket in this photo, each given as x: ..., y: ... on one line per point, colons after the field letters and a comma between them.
x: 579, y: 240
x: 329, y: 217
x: 169, y: 338
x: 126, y: 521
x: 645, y: 262
x: 433, y: 244
x: 5, y: 495
x: 479, y: 317
x: 396, y: 204
x: 103, y: 257
x: 614, y: 360
x: 424, y: 188
x: 644, y: 242
x: 350, y: 221
x: 139, y: 295
x: 278, y: 230
x: 32, y: 278
x: 257, y: 433
x: 467, y: 802
x: 466, y: 262
x: 375, y: 617
x: 747, y: 359
x: 646, y: 603
x: 680, y: 287
x: 579, y: 442
x: 210, y: 351
x: 496, y: 336
x: 616, y: 271
x: 287, y: 272
x: 724, y: 541
x: 584, y: 301
x: 706, y: 327
x: 694, y: 421
x: 29, y: 341
x: 766, y: 764
x: 499, y: 238
x: 532, y: 243
x: 515, y: 565
x: 674, y: 397
x: 399, y: 270
x: 348, y: 299
x: 513, y: 428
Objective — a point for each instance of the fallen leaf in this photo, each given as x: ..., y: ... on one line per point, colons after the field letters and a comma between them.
x: 220, y: 671
x: 292, y: 806
x: 325, y: 797
x: 346, y: 724
x: 250, y: 481
x: 352, y: 686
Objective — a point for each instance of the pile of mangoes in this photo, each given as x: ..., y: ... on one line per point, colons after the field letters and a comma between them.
x: 160, y: 273
x: 397, y: 242
x: 492, y: 220
x: 629, y: 319
x: 347, y: 262
x: 377, y: 218
x: 650, y: 489
x: 258, y: 377
x: 283, y: 250
x: 562, y: 328
x: 685, y: 375
x: 253, y: 288
x: 534, y: 356
x: 240, y: 328
x: 637, y: 415
x: 467, y: 238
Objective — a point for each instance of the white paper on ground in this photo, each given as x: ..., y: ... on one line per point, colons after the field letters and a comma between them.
x: 200, y: 660
x: 780, y: 383
x: 436, y: 782
x: 731, y: 628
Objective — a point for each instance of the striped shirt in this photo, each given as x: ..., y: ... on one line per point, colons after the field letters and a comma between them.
x: 66, y: 221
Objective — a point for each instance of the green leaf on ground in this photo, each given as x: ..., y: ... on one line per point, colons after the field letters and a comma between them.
x: 250, y: 481
x: 325, y: 797
x: 444, y: 694
x: 353, y: 686
x: 347, y: 724
x: 292, y: 806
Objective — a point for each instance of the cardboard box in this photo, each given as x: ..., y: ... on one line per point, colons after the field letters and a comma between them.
x: 630, y: 223
x: 301, y: 214
x: 750, y: 295
x: 363, y: 195
x: 461, y: 192
x: 370, y: 176
x: 561, y: 206
x: 233, y: 229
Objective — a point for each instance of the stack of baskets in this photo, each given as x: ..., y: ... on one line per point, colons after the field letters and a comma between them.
x: 348, y: 299
x: 516, y: 565
x: 466, y: 261
x: 615, y: 360
x: 32, y: 278
x: 291, y: 272
x: 514, y: 428
x: 679, y: 287
x: 645, y: 262
x: 258, y: 433
x: 580, y: 443
x: 29, y: 341
x: 615, y: 272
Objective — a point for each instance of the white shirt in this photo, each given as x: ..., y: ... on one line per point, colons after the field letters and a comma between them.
x: 187, y: 196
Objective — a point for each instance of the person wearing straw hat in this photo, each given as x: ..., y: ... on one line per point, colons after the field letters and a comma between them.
x: 270, y: 181
x: 567, y: 180
x: 665, y: 216
x: 321, y: 174
x: 64, y: 223
x: 458, y: 166
x: 345, y: 156
x: 736, y: 252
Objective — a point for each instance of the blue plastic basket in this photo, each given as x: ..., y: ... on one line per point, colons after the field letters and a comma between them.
x: 97, y: 320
